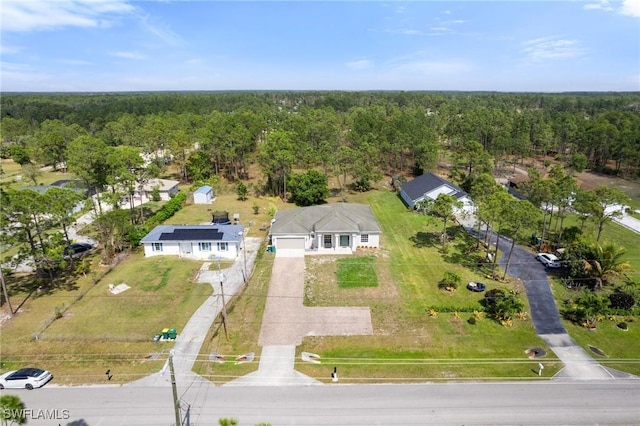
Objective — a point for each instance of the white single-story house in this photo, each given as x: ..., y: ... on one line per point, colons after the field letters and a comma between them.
x: 203, y: 195
x: 430, y: 186
x: 338, y: 228
x: 201, y: 242
x: 167, y: 189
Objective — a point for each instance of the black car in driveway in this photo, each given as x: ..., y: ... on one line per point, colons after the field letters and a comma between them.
x: 77, y: 250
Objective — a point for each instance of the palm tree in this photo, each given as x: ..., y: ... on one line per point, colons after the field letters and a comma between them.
x: 606, y: 263
x: 12, y: 410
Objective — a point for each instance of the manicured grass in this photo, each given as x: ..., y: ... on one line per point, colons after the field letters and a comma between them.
x: 356, y: 272
x: 12, y: 170
x: 203, y: 213
x: 438, y: 349
x: 408, y: 345
x: 621, y: 348
x: 99, y: 330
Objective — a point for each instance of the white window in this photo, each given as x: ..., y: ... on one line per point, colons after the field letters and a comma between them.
x: 204, y: 246
x: 364, y: 238
x: 223, y: 246
x: 156, y: 246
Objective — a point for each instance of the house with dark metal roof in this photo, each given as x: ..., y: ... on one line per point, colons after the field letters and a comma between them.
x: 201, y: 242
x: 338, y: 228
x: 430, y: 186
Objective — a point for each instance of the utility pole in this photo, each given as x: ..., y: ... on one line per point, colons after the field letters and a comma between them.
x: 176, y: 402
x: 224, y: 306
x: 6, y: 293
x: 244, y: 257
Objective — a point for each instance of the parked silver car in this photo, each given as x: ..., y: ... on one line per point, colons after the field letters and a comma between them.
x: 549, y: 260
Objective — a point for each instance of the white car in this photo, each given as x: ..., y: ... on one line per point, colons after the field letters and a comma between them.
x: 549, y: 260
x: 25, y: 378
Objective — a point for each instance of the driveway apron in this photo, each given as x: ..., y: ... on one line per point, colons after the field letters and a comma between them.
x: 578, y: 364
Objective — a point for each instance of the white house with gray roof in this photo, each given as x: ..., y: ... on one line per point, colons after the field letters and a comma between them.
x: 338, y: 228
x: 430, y: 186
x: 200, y: 242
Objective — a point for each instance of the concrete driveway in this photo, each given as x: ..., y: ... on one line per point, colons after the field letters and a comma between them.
x: 286, y: 321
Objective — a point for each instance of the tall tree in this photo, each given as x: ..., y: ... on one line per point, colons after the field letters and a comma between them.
x: 88, y: 158
x: 62, y: 204
x: 521, y: 215
x: 277, y: 155
x: 51, y: 142
x: 608, y: 204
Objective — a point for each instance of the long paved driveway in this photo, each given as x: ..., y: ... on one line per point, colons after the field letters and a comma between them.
x: 578, y: 364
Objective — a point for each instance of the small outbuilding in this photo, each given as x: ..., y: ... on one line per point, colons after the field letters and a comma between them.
x: 203, y: 195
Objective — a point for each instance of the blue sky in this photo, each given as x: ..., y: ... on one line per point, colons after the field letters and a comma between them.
x: 122, y: 45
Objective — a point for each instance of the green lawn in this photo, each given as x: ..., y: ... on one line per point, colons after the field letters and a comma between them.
x: 356, y: 272
x: 408, y: 345
x: 97, y: 330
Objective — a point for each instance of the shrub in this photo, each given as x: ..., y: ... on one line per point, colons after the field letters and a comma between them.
x: 492, y: 296
x: 450, y: 281
x: 620, y: 300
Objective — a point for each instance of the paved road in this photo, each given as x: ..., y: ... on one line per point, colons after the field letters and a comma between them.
x: 530, y: 403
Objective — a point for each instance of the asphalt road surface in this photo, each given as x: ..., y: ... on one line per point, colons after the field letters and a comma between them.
x: 524, y: 403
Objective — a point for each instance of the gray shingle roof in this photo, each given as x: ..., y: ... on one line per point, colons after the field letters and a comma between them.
x: 419, y: 186
x: 338, y: 217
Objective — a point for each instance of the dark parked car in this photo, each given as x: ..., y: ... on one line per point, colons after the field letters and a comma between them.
x: 77, y: 250
x: 25, y: 378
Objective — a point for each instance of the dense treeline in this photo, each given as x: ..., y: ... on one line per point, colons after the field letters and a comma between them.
x: 355, y: 137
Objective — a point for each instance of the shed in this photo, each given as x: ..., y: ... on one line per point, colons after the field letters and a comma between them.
x: 203, y: 195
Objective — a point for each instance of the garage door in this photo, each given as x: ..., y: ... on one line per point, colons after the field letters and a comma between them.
x: 290, y: 247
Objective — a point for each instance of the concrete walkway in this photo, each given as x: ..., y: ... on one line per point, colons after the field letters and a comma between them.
x: 190, y: 339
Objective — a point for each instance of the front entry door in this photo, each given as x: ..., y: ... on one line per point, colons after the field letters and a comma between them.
x: 344, y: 240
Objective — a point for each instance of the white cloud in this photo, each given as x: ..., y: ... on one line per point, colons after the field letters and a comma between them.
x: 6, y: 49
x: 631, y: 8
x: 128, y: 55
x: 161, y: 31
x: 38, y: 15
x: 552, y: 48
x: 601, y: 5
x: 359, y: 65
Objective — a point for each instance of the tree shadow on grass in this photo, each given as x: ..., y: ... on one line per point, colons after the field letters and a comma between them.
x: 426, y: 239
